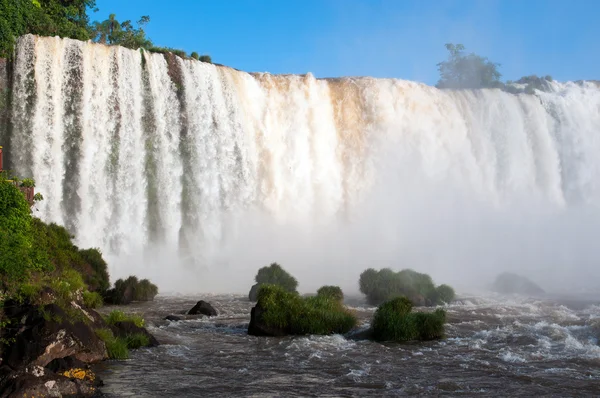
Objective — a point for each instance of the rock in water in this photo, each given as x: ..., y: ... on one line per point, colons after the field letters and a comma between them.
x: 172, y: 318
x: 257, y: 326
x: 203, y: 308
x: 253, y: 295
x: 128, y: 328
x: 509, y: 283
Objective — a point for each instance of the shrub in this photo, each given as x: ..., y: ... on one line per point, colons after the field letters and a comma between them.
x: 206, y: 58
x: 130, y: 289
x: 92, y: 299
x: 296, y: 315
x: 195, y: 55
x: 445, y: 294
x: 97, y: 280
x: 115, y: 347
x: 119, y: 316
x: 384, y: 285
x: 28, y: 183
x: 394, y: 321
x: 333, y: 292
x: 145, y: 291
x: 273, y: 274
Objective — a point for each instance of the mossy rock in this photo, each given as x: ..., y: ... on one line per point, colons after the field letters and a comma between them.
x: 279, y: 313
x: 394, y: 321
x: 385, y: 284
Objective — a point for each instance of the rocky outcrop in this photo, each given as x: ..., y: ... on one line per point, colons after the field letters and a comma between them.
x: 44, y: 383
x: 49, y: 351
x: 509, y: 283
x: 40, y: 336
x: 203, y: 308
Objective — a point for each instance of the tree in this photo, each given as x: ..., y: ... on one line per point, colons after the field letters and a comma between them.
x: 462, y: 70
x: 111, y: 31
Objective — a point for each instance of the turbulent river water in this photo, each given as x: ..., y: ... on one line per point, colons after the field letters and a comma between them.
x: 501, y: 346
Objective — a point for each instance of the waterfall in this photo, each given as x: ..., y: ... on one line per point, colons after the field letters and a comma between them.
x: 195, y: 175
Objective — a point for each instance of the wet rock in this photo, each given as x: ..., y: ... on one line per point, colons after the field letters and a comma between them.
x: 173, y: 318
x: 204, y: 308
x: 257, y: 326
x: 509, y: 283
x: 128, y: 328
x: 253, y: 295
x: 40, y: 336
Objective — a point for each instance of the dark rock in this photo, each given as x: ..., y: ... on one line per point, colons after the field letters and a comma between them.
x: 257, y: 327
x: 40, y: 383
x: 204, y: 308
x: 509, y: 283
x: 173, y: 318
x: 42, y: 336
x: 128, y: 328
x: 60, y: 365
x: 253, y: 295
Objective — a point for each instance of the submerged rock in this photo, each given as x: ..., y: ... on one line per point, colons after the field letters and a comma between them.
x: 509, y: 283
x: 203, y: 308
x: 172, y: 318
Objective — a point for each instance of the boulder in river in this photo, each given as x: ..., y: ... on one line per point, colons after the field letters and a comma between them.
x: 173, y: 318
x: 126, y: 329
x: 509, y: 283
x: 203, y: 308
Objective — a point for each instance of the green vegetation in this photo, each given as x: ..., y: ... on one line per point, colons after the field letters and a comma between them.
x: 92, y: 299
x: 296, y: 315
x: 274, y: 274
x: 394, y: 321
x: 383, y: 285
x: 463, y: 70
x: 69, y: 18
x: 116, y: 347
x: 137, y: 340
x: 333, y: 292
x: 471, y: 71
x: 119, y: 316
x: 64, y: 18
x: 130, y: 289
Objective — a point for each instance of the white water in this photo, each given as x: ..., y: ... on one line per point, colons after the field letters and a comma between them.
x: 327, y: 177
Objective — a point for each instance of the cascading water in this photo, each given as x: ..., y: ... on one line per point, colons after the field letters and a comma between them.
x: 195, y: 175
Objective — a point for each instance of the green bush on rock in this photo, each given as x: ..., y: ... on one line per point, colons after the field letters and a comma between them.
x: 131, y: 289
x: 333, y: 292
x: 280, y: 312
x: 394, y: 321
x: 273, y: 274
x: 383, y: 285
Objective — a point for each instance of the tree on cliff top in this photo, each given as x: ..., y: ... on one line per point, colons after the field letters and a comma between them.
x: 463, y: 70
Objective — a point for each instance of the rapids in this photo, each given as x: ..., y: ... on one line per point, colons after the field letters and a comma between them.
x: 495, y: 346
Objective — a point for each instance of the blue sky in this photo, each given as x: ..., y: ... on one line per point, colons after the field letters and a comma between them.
x: 381, y: 38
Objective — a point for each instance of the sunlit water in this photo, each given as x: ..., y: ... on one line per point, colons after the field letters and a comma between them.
x: 520, y: 347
